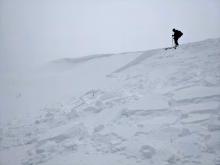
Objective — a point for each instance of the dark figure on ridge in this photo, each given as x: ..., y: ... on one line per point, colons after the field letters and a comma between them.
x: 177, y: 34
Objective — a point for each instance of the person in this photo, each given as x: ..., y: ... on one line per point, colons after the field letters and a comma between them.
x: 177, y: 34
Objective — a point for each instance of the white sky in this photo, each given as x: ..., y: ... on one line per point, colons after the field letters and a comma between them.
x: 42, y: 30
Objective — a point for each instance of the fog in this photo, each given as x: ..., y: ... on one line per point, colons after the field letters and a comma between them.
x: 33, y: 32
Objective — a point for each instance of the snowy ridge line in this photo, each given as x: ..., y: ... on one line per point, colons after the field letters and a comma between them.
x: 82, y: 59
x: 203, y: 42
x: 143, y: 55
x: 148, y: 54
x: 92, y: 57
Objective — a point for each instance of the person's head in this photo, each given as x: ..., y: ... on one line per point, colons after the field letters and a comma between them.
x: 174, y: 30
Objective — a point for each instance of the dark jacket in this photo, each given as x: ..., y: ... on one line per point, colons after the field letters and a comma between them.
x: 177, y: 34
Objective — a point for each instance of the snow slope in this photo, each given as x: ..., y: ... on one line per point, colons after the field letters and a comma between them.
x: 154, y: 107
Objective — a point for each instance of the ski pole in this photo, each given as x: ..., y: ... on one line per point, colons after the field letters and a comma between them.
x: 172, y: 40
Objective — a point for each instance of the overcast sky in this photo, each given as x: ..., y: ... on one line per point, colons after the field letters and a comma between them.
x: 43, y: 30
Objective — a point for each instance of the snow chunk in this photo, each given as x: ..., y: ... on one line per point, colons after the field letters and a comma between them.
x: 196, y: 92
x: 149, y: 102
x: 199, y: 107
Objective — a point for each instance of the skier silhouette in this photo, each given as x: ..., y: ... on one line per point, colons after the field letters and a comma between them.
x: 177, y: 34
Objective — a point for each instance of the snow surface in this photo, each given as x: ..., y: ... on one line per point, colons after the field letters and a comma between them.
x: 154, y: 107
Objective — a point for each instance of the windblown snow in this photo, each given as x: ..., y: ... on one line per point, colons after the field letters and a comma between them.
x: 138, y: 108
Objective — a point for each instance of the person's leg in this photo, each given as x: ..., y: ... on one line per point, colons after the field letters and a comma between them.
x: 177, y: 44
x: 176, y: 41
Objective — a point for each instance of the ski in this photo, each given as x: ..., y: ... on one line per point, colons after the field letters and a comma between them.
x: 170, y: 48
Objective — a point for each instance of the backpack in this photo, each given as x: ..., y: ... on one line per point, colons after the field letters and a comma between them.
x: 179, y: 33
